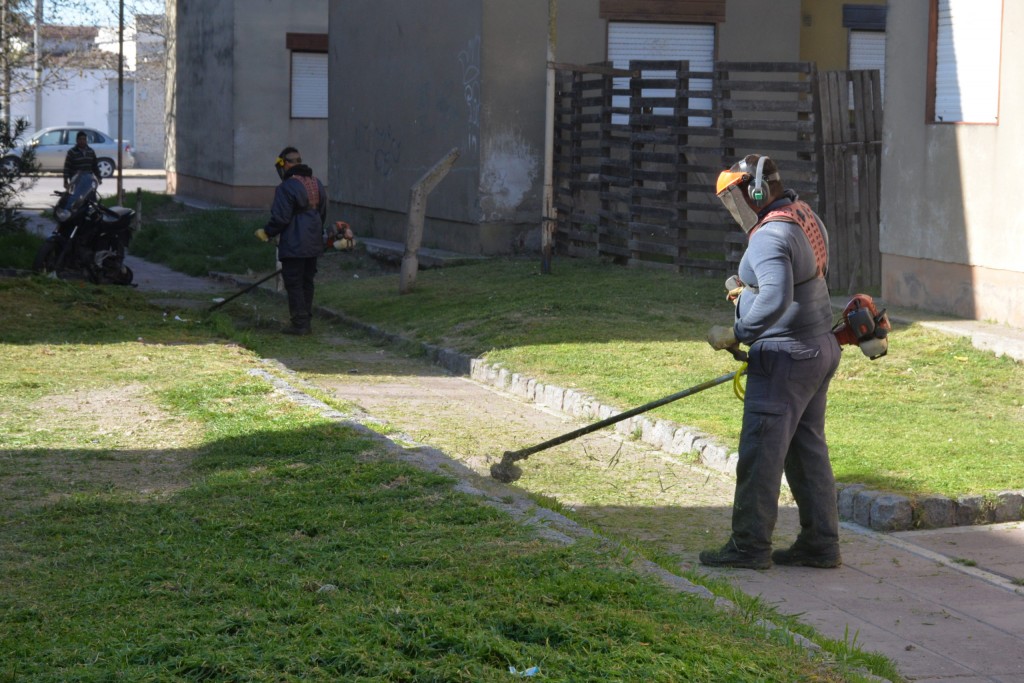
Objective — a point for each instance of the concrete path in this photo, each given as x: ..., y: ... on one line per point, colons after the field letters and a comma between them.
x: 947, y: 605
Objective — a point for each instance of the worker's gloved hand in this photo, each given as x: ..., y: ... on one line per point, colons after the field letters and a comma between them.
x: 261, y: 235
x: 721, y: 337
x: 734, y: 287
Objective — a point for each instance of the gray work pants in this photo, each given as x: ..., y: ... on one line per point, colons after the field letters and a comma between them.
x: 784, y: 430
x: 298, y: 275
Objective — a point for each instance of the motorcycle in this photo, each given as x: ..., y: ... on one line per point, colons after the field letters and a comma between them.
x: 90, y: 239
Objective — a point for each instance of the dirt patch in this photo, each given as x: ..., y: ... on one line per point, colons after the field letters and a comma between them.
x: 114, y: 440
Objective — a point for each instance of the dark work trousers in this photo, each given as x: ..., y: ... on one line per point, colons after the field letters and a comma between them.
x: 784, y: 431
x: 298, y: 275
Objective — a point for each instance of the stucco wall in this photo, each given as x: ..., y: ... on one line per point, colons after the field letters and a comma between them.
x: 405, y: 89
x: 150, y: 137
x: 262, y: 89
x: 230, y: 105
x: 823, y: 39
x: 82, y: 99
x: 760, y: 32
x: 203, y: 81
x: 951, y: 237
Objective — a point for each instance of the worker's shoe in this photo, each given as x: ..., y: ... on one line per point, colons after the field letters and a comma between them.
x: 798, y: 555
x: 297, y: 331
x: 729, y: 555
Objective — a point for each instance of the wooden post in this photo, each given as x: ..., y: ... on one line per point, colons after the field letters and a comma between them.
x: 138, y: 209
x: 417, y: 212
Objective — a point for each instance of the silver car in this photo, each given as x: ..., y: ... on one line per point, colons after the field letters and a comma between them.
x: 51, y: 146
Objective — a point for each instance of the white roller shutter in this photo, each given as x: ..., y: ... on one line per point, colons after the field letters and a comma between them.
x: 692, y: 42
x: 967, y: 61
x: 309, y: 85
x: 867, y: 51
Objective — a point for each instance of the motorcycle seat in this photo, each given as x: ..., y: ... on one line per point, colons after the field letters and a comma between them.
x: 116, y: 213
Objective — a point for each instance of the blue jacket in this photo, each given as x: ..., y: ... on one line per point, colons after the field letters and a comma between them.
x: 293, y: 216
x: 783, y: 298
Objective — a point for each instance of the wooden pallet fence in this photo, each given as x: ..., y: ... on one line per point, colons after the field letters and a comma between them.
x: 637, y: 152
x: 851, y: 132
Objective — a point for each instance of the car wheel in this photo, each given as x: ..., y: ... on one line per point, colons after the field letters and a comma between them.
x: 11, y: 165
x: 106, y: 167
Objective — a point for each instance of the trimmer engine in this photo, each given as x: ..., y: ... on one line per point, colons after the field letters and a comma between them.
x: 863, y: 325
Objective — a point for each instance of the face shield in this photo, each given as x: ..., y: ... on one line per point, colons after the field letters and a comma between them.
x: 734, y: 198
x: 281, y: 162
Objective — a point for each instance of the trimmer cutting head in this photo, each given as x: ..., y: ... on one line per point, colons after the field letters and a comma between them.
x: 506, y: 472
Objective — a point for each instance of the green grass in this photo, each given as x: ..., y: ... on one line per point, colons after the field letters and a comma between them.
x: 199, y: 242
x: 934, y: 416
x: 284, y: 546
x: 18, y: 249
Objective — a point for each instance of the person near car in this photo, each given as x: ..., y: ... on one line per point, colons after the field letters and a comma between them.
x: 783, y: 312
x: 81, y: 157
x: 297, y: 219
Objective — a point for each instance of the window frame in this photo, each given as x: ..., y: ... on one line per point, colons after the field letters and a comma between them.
x: 933, y: 66
x: 306, y: 44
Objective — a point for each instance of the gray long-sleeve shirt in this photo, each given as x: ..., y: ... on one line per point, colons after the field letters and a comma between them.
x: 783, y: 298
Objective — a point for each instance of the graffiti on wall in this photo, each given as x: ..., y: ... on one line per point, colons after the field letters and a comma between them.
x: 382, y: 144
x: 470, y: 61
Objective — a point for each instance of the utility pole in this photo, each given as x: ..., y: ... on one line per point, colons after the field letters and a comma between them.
x: 548, y: 219
x: 120, y: 102
x: 37, y: 41
x: 5, y: 39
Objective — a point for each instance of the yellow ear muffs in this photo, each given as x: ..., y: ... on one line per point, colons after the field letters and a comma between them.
x: 279, y: 162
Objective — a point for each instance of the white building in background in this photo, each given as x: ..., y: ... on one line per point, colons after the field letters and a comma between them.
x: 87, y: 95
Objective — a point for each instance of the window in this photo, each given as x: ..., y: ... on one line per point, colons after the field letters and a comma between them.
x: 964, y: 61
x: 867, y: 51
x: 692, y: 42
x: 308, y: 75
x: 53, y: 137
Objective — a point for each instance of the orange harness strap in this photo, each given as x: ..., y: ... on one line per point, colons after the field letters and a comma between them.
x: 312, y: 190
x: 800, y: 212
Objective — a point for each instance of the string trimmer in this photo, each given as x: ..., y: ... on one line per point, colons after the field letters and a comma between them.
x: 505, y: 471
x: 247, y: 289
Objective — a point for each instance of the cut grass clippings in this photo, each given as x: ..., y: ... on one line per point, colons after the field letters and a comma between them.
x: 290, y: 547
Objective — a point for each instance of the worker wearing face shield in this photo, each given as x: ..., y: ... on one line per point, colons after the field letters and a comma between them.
x: 783, y: 313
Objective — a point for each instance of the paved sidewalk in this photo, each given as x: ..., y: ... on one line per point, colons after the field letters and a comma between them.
x: 947, y: 605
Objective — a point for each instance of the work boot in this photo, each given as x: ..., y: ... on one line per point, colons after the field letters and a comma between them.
x: 731, y: 556
x: 799, y: 555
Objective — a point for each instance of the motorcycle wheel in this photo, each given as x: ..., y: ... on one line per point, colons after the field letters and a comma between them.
x: 126, y: 277
x: 45, y: 261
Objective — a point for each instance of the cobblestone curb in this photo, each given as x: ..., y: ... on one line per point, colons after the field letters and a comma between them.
x: 876, y: 510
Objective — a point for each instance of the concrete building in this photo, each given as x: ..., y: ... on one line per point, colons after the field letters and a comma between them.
x: 952, y: 235
x: 80, y: 84
x: 407, y: 87
x: 150, y: 119
x: 246, y: 78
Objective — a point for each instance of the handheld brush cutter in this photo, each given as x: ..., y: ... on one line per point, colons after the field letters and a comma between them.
x: 862, y: 324
x: 507, y: 472
x: 338, y: 236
